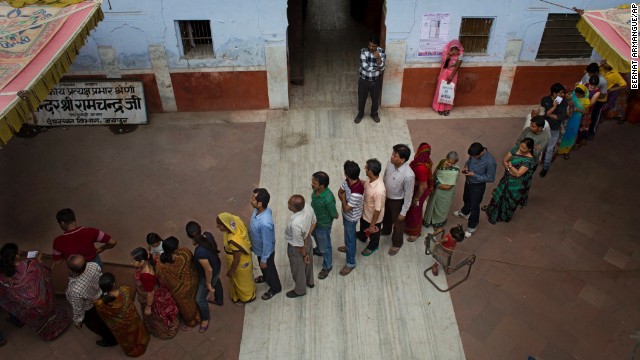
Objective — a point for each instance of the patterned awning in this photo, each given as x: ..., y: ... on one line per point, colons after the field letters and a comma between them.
x: 38, y: 43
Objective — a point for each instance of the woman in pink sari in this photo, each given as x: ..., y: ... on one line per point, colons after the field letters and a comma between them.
x: 451, y: 60
x: 26, y: 292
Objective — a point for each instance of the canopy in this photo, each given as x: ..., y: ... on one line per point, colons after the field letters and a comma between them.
x: 609, y: 33
x: 38, y: 43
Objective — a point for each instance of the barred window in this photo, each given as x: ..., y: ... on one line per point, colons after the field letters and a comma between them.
x: 195, y: 39
x: 475, y: 34
x: 562, y: 40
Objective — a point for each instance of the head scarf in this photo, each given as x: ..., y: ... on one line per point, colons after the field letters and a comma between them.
x: 583, y: 102
x: 423, y: 157
x: 447, y: 48
x: 237, y: 230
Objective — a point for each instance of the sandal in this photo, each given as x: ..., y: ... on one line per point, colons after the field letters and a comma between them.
x: 394, y: 250
x: 204, y: 328
x: 268, y: 295
x: 483, y: 208
x: 440, y: 113
x: 185, y: 327
x: 367, y: 252
x: 434, y: 269
x: 446, y: 113
x: 342, y: 249
x: 566, y: 156
x: 346, y: 271
x: 259, y: 280
x: 324, y: 273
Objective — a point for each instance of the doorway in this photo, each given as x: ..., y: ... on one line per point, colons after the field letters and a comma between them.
x: 325, y: 38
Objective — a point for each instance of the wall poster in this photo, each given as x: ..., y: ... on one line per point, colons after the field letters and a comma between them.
x: 434, y: 34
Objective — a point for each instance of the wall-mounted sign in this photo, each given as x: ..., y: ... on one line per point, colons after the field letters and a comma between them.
x: 93, y: 103
x: 434, y: 34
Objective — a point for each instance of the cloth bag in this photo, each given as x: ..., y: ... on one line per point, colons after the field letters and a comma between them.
x: 446, y: 93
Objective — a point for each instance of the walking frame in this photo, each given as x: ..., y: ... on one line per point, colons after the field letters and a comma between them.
x: 443, y: 257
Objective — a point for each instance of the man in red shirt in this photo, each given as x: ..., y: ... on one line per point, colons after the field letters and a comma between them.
x: 79, y: 240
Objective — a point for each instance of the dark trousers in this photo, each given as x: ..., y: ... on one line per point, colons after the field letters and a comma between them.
x: 365, y: 88
x: 271, y: 275
x: 94, y: 323
x: 595, y: 117
x: 390, y: 221
x: 374, y: 239
x: 472, y: 197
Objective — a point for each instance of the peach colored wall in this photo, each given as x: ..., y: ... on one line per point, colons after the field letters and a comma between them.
x: 476, y: 86
x: 239, y: 90
x: 531, y: 83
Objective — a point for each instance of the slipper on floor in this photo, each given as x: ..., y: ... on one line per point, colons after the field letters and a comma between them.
x: 259, y: 280
x: 367, y: 252
x: 204, y: 328
x: 185, y: 328
x: 394, y: 250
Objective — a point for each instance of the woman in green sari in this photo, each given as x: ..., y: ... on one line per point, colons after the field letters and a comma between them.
x: 513, y: 189
x: 446, y: 175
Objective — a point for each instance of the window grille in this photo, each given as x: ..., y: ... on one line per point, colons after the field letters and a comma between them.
x: 195, y: 37
x: 475, y: 34
x: 562, y: 40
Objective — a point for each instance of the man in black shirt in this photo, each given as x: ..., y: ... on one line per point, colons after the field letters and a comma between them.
x: 555, y: 107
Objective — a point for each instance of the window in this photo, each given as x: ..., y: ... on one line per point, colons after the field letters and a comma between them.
x: 195, y: 39
x: 475, y: 33
x: 562, y: 40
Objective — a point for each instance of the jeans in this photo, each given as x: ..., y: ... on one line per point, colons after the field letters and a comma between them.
x: 201, y: 296
x: 350, y: 241
x: 551, y: 147
x: 364, y: 88
x: 322, y: 235
x: 98, y: 261
x: 472, y: 197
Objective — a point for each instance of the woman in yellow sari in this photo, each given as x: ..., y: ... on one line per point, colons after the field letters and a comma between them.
x: 237, y: 246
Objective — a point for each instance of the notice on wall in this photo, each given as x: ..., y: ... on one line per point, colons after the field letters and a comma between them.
x: 93, y: 103
x: 434, y: 34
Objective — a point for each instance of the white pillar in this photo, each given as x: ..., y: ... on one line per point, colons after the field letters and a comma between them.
x: 394, y: 72
x: 508, y: 71
x: 277, y: 76
x: 163, y: 77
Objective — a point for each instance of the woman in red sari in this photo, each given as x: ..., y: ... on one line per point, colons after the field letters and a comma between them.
x: 421, y: 166
x: 451, y: 60
x: 159, y: 310
x: 26, y: 292
x: 116, y: 308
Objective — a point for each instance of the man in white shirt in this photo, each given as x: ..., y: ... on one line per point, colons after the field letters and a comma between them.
x: 399, y: 181
x: 299, y: 228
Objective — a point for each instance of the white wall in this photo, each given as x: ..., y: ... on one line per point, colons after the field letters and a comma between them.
x: 514, y: 19
x: 240, y: 29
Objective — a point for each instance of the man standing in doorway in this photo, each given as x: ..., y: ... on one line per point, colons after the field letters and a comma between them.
x: 324, y: 205
x: 372, y: 61
x: 263, y: 241
x: 479, y: 170
x: 399, y: 180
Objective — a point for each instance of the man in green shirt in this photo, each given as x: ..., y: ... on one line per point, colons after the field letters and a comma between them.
x: 324, y: 205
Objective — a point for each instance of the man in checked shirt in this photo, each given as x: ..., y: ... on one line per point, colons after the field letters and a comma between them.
x: 372, y: 61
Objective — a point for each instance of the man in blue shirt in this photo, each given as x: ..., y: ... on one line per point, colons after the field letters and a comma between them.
x: 263, y: 241
x: 479, y: 170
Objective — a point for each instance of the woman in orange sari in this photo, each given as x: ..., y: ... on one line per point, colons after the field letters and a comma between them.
x: 116, y: 308
x: 177, y: 271
x: 421, y: 166
x: 237, y: 246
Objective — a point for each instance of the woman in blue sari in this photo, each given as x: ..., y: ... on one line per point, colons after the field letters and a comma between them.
x: 513, y: 189
x: 579, y: 105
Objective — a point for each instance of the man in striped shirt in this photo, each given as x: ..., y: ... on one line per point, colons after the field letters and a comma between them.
x: 351, y: 195
x: 372, y: 61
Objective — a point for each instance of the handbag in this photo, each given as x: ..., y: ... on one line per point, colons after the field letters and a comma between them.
x: 446, y: 93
